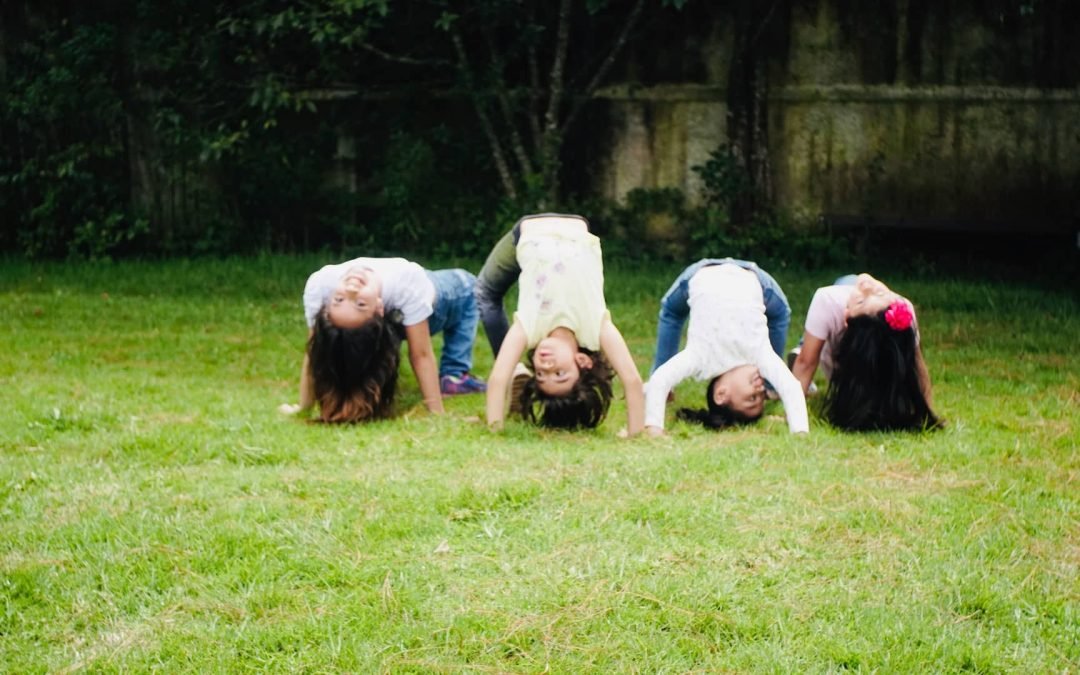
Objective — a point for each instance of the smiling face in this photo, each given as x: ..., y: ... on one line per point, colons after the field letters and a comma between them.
x: 557, y: 365
x: 868, y: 297
x: 742, y: 390
x: 356, y: 298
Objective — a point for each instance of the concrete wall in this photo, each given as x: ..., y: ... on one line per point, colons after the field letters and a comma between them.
x: 658, y: 135
x: 1003, y: 157
x: 930, y: 119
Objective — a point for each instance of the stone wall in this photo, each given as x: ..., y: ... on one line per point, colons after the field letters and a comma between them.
x: 931, y: 118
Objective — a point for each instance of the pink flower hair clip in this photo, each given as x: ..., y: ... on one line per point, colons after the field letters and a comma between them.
x: 900, y: 314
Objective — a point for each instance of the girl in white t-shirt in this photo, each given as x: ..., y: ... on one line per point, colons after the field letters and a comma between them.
x: 727, y: 345
x: 563, y: 321
x: 355, y: 312
x: 866, y: 339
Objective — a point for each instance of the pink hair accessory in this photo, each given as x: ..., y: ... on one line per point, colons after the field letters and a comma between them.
x: 900, y: 314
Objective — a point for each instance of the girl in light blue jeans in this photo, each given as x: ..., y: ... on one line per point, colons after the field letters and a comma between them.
x: 359, y: 311
x: 739, y: 319
x: 675, y: 308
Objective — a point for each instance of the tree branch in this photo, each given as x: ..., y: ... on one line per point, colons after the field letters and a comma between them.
x: 485, y: 122
x: 558, y: 66
x: 534, y: 82
x: 507, y: 110
x: 550, y: 140
x: 408, y: 60
x: 606, y: 65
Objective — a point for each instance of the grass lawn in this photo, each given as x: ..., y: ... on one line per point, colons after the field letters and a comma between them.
x: 158, y: 513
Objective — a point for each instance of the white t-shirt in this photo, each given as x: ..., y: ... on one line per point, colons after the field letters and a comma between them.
x: 405, y: 287
x: 826, y: 320
x: 561, y: 283
x: 727, y: 329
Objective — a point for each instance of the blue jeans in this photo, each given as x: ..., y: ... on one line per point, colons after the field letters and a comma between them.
x: 499, y: 273
x: 455, y: 316
x: 675, y: 308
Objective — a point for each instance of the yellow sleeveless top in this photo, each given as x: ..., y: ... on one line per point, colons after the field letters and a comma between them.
x: 561, y: 282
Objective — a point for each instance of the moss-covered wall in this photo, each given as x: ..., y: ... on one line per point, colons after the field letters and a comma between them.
x: 656, y: 136
x: 965, y: 155
x: 962, y: 111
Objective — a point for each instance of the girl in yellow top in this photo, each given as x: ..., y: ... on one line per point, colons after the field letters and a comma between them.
x: 563, y: 321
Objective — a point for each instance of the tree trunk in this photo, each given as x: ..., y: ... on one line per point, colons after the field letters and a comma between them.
x: 497, y: 153
x: 747, y: 99
x: 552, y: 135
x: 145, y: 175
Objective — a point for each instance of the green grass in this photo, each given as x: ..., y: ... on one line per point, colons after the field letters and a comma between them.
x: 158, y: 514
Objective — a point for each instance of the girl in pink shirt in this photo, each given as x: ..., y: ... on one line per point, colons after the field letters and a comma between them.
x: 866, y: 339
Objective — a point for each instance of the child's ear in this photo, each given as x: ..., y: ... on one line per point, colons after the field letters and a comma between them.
x: 720, y: 394
x: 583, y: 361
x: 379, y: 309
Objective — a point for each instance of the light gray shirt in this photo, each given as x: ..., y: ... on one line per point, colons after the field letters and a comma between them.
x: 405, y: 287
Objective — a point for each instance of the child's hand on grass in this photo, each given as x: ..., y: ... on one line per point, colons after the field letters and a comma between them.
x: 289, y: 409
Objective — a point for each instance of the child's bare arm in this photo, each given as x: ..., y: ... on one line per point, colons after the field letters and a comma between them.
x: 618, y: 355
x: 806, y: 362
x: 924, y: 377
x: 510, y: 352
x: 307, y: 384
x: 422, y: 359
x: 307, y: 389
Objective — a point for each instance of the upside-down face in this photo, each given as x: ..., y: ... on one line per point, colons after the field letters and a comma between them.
x: 356, y: 298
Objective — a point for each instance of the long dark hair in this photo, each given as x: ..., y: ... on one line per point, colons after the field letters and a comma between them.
x: 354, y: 369
x: 584, y: 407
x: 715, y: 416
x: 875, y: 379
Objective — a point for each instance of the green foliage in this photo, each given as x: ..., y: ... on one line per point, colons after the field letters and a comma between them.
x: 724, y: 179
x: 660, y: 224
x: 406, y: 179
x: 172, y: 127
x: 413, y: 202
x: 63, y: 174
x: 94, y: 240
x: 771, y: 236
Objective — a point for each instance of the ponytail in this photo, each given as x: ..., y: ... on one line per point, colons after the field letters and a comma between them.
x: 715, y: 416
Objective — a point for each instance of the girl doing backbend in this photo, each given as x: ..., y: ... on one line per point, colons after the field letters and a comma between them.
x: 357, y: 312
x: 866, y: 339
x: 738, y: 323
x: 562, y: 322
